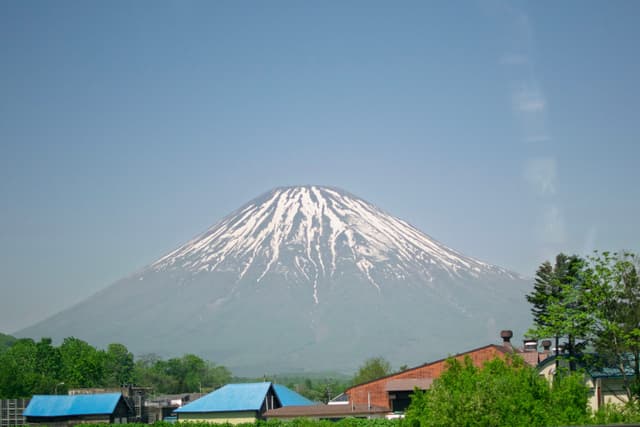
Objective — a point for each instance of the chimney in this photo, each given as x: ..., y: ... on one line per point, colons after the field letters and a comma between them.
x: 530, y: 345
x: 546, y: 345
x: 506, y: 338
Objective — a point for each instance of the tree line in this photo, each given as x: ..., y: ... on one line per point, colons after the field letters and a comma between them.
x: 28, y: 367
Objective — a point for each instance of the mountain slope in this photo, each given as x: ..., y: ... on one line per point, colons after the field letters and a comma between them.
x: 303, y: 278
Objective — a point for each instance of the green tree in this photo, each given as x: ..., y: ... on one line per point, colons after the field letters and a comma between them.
x: 179, y: 374
x: 188, y: 372
x: 18, y: 375
x: 501, y: 393
x: 559, y: 304
x: 118, y: 365
x: 372, y: 368
x: 216, y: 376
x: 48, y: 367
x: 317, y: 389
x: 149, y: 370
x: 6, y: 341
x: 614, y: 302
x: 82, y: 364
x: 28, y: 368
x: 598, y: 302
x: 545, y: 289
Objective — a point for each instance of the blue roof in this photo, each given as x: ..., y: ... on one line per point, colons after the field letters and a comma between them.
x: 289, y: 397
x: 602, y: 367
x: 232, y: 397
x: 80, y: 404
x: 243, y: 397
x: 598, y: 366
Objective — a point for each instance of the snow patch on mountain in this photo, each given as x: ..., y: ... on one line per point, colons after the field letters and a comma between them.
x: 309, y: 230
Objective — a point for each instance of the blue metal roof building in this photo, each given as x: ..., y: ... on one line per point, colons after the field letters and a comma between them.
x: 106, y: 407
x: 231, y: 397
x: 240, y: 403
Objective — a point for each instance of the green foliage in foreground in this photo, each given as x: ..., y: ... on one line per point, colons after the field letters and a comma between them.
x: 300, y: 422
x: 617, y: 414
x: 612, y: 415
x: 501, y: 393
x: 347, y: 422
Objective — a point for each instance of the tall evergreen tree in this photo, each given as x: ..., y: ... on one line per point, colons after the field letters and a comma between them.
x: 544, y: 289
x: 557, y: 303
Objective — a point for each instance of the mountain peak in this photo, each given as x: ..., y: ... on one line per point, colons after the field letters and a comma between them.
x: 306, y: 232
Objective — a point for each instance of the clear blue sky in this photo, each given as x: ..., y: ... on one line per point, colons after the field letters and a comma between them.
x: 506, y: 130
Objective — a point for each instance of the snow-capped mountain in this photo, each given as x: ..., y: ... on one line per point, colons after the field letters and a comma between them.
x: 316, y: 278
x: 321, y: 227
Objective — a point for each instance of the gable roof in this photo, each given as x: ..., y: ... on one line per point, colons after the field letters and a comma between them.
x: 231, y: 397
x: 80, y: 404
x: 289, y: 397
x: 243, y: 397
x: 497, y: 348
x: 342, y: 398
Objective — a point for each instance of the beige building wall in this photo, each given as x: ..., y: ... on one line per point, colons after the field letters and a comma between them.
x: 607, y: 391
x: 219, y: 417
x: 548, y: 371
x: 603, y: 391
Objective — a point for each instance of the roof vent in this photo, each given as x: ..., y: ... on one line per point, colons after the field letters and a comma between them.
x: 506, y: 335
x: 506, y: 338
x: 530, y: 345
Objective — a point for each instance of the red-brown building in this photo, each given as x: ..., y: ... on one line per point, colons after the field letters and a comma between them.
x: 393, y: 391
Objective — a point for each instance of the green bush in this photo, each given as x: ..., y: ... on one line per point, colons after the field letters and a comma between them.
x: 617, y: 414
x: 501, y: 393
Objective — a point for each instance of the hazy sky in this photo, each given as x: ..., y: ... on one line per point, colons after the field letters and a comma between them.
x: 506, y: 130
